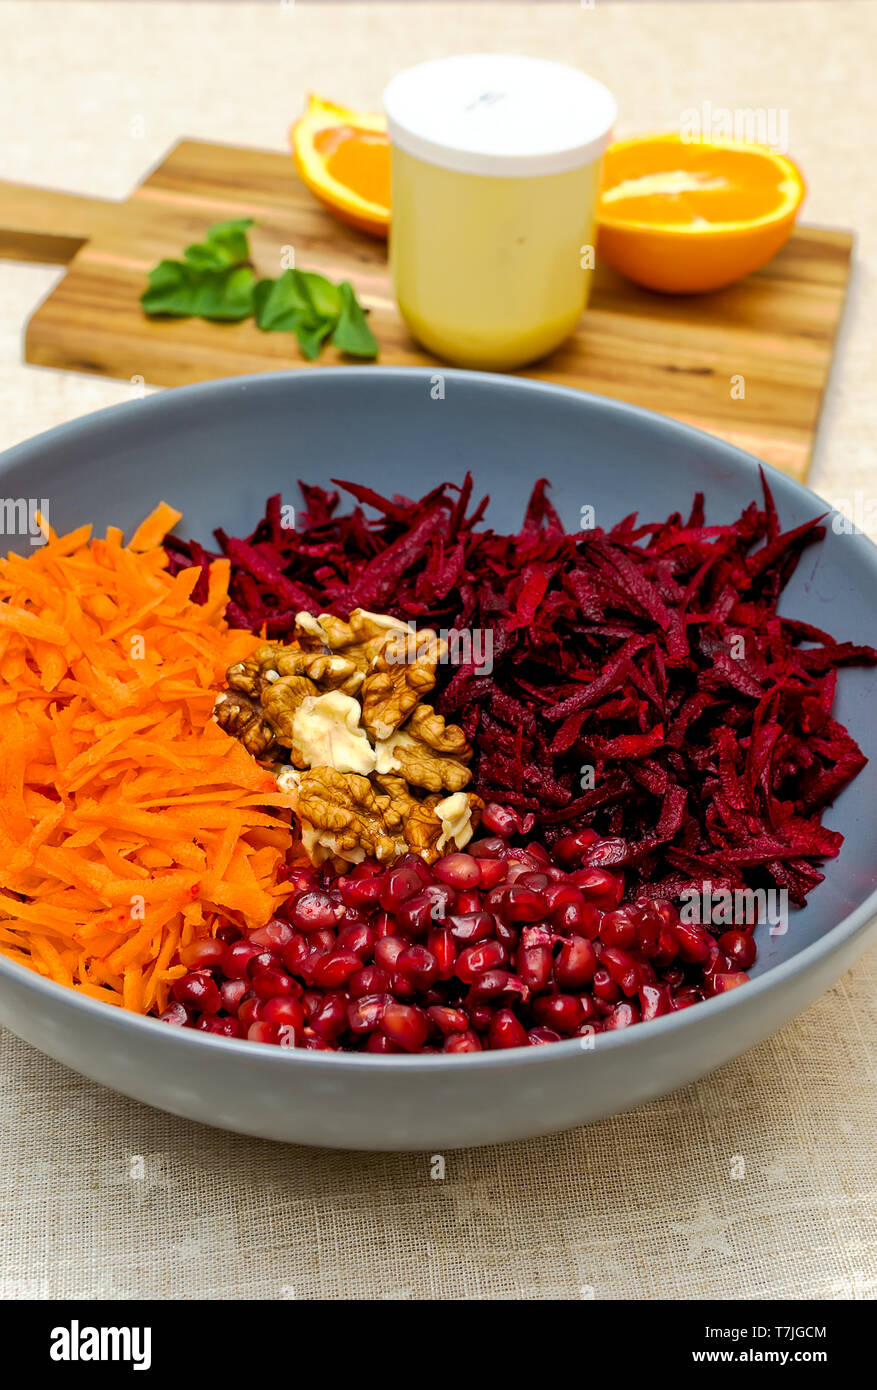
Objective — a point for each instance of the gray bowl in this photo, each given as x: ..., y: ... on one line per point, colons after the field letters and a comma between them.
x: 216, y: 451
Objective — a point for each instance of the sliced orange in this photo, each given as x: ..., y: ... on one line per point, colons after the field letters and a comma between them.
x: 344, y: 158
x: 686, y: 216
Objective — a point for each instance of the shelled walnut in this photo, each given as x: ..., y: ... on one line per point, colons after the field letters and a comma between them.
x: 370, y: 764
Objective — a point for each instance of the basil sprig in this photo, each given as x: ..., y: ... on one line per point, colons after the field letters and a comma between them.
x: 216, y: 280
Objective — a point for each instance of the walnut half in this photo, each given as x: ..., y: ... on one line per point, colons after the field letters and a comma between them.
x: 347, y: 818
x: 427, y: 752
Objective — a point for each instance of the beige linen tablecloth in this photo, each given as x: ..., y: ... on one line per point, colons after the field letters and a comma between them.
x: 758, y: 1181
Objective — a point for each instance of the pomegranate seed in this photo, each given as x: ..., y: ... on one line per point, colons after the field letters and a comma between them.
x: 202, y: 954
x: 268, y: 984
x: 538, y: 1036
x: 684, y: 998
x: 492, y: 983
x: 619, y: 928
x: 295, y: 952
x: 500, y: 820
x: 694, y: 942
x: 495, y: 898
x: 491, y: 847
x: 405, y: 1025
x: 569, y: 849
x: 535, y: 879
x: 448, y: 1020
x: 365, y: 1013
x: 400, y: 884
x: 468, y: 900
x: 561, y: 891
x: 418, y: 966
x: 250, y: 1010
x: 622, y: 1016
x: 316, y: 1044
x: 575, y: 964
x: 604, y: 988
x: 236, y: 958
x: 370, y: 980
x: 263, y: 1032
x: 232, y: 992
x: 222, y: 1027
x: 333, y: 970
x: 459, y: 871
x: 740, y: 947
x: 176, y: 1014
x: 607, y: 853
x: 722, y: 983
x: 522, y: 904
x: 479, y: 1015
x: 562, y: 1012
x: 357, y: 937
x: 385, y: 925
x: 623, y: 968
x: 330, y: 1019
x: 417, y: 915
x: 578, y: 919
x: 272, y: 937
x: 654, y: 1001
x: 462, y: 1042
x: 493, y: 872
x: 284, y: 1010
x: 508, y: 936
x: 313, y: 910
x: 441, y: 943
x: 599, y: 886
x: 647, y: 974
x: 263, y: 960
x: 361, y: 894
x: 667, y: 948
x: 471, y: 927
x: 506, y: 1030
x: 533, y: 960
x: 198, y: 991
x: 388, y: 951
x: 475, y: 960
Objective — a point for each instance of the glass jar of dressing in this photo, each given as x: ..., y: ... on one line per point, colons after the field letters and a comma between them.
x: 495, y: 166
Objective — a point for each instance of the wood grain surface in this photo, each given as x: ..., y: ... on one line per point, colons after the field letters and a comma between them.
x: 770, y: 337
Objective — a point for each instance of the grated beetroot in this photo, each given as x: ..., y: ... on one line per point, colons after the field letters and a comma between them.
x: 643, y: 683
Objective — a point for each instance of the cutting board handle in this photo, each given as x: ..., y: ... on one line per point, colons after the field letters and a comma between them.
x: 39, y: 224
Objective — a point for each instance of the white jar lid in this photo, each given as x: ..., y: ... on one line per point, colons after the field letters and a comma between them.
x: 499, y: 114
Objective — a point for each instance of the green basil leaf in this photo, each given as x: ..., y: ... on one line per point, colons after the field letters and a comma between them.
x: 324, y: 296
x: 227, y: 294
x: 352, y: 333
x: 225, y: 245
x: 312, y: 337
x: 184, y: 291
x: 215, y: 280
x: 280, y: 303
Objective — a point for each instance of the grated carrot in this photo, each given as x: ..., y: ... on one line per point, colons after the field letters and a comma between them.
x: 130, y: 823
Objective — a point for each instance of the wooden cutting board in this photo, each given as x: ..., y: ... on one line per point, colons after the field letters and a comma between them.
x: 749, y: 363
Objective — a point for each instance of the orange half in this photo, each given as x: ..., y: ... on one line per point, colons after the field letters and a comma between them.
x: 344, y: 159
x: 685, y: 216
